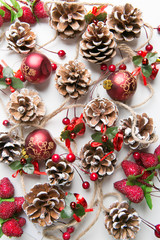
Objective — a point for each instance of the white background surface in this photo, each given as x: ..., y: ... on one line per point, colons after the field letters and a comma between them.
x: 52, y: 100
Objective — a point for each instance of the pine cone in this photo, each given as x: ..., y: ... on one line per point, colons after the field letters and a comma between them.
x: 10, y: 149
x: 68, y: 19
x: 60, y: 173
x: 144, y: 130
x: 90, y: 160
x: 25, y: 107
x: 98, y: 45
x: 125, y: 22
x: 72, y: 79
x: 100, y: 111
x: 20, y: 38
x: 43, y: 204
x: 122, y: 222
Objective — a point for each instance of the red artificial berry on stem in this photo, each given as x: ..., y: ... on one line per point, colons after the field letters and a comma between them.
x: 66, y: 121
x: 104, y: 138
x: 73, y: 205
x: 149, y: 160
x: 21, y: 77
x: 157, y: 230
x: 158, y: 29
x: 6, y: 123
x: 93, y: 176
x: 7, y: 210
x: 61, y: 53
x: 39, y: 10
x: 55, y: 158
x: 134, y: 193
x: 66, y: 236
x: 54, y: 67
x: 11, y: 228
x: 130, y: 168
x: 71, y: 157
x: 122, y: 67
x: 145, y: 61
x: 7, y: 14
x: 70, y: 229
x: 19, y: 202
x: 8, y: 81
x: 121, y: 185
x: 6, y: 188
x: 112, y: 68
x: 149, y: 48
x: 73, y: 135
x: 27, y: 15
x: 137, y: 158
x: 23, y: 161
x: 21, y: 221
x: 140, y: 53
x: 86, y: 185
x: 103, y: 67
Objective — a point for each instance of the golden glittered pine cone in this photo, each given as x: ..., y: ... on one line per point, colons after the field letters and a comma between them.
x: 144, y: 130
x: 43, y: 204
x: 98, y: 45
x: 91, y: 160
x: 100, y: 111
x: 10, y: 148
x: 68, y: 19
x: 72, y: 79
x: 20, y: 38
x: 125, y: 22
x: 121, y: 221
x: 25, y: 107
x: 61, y: 173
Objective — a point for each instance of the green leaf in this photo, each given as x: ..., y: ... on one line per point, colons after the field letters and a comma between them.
x: 111, y: 132
x: 29, y: 160
x: 2, y: 12
x: 153, y: 168
x: 70, y: 198
x: 110, y: 145
x: 97, y: 137
x: 13, y: 16
x: 66, y: 212
x: 158, y: 158
x: 79, y: 210
x: 89, y: 17
x: 65, y: 134
x: 1, y: 221
x: 130, y: 183
x: 137, y: 60
x: 102, y: 16
x: 3, y: 84
x: 28, y: 168
x: 15, y: 4
x: 7, y: 72
x: 6, y: 5
x: 150, y: 177
x: 20, y: 13
x: 7, y: 200
x: 146, y: 70
x: 152, y: 57
x: 16, y: 165
x: 17, y: 83
x: 1, y: 233
x: 78, y: 128
x: 148, y: 200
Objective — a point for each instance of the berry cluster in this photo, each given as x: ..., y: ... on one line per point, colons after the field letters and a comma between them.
x: 67, y: 234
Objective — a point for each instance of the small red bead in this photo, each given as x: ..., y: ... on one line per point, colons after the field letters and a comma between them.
x: 112, y: 68
x: 104, y: 67
x: 140, y: 53
x: 21, y: 77
x: 66, y: 121
x: 149, y: 48
x: 61, y: 53
x: 70, y: 229
x: 157, y: 230
x: 55, y: 158
x: 23, y: 161
x: 136, y: 155
x: 122, y: 67
x: 8, y: 81
x: 73, y: 205
x: 86, y: 185
x: 145, y: 61
x: 158, y: 29
x: 66, y: 236
x: 54, y: 67
x: 73, y: 135
x: 93, y: 176
x: 71, y: 157
x: 104, y: 138
x: 6, y: 123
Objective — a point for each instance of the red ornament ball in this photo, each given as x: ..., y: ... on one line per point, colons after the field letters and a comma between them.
x: 36, y: 68
x: 86, y: 185
x: 55, y: 158
x: 6, y: 123
x: 70, y: 157
x: 66, y: 236
x: 93, y: 176
x: 39, y: 145
x: 70, y: 229
x: 124, y: 85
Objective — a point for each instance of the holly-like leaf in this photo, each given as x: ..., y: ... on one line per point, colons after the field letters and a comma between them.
x: 111, y: 132
x: 110, y: 145
x: 3, y: 84
x: 65, y: 134
x: 97, y: 137
x: 152, y: 57
x: 137, y: 60
x: 78, y: 128
x: 7, y: 200
x: 66, y: 212
x: 70, y: 198
x: 79, y: 210
x: 8, y: 72
x: 17, y: 83
x: 146, y: 70
x: 16, y: 165
x: 89, y: 17
x: 29, y: 160
x: 2, y: 12
x: 102, y: 16
x: 28, y: 168
x: 1, y: 233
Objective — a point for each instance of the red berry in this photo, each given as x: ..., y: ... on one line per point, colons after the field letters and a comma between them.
x: 86, y: 185
x: 66, y: 121
x: 73, y: 205
x: 121, y: 186
x: 27, y: 15
x: 21, y: 77
x: 73, y: 135
x: 21, y: 221
x: 157, y: 234
x: 149, y: 160
x: 1, y: 20
x: 19, y: 202
x: 11, y: 228
x: 39, y: 10
x: 6, y: 123
x: 74, y: 122
x: 103, y: 67
x: 122, y: 67
x: 145, y: 61
x: 8, y: 81
x: 66, y: 236
x: 55, y: 158
x: 157, y: 151
x: 7, y: 14
x: 7, y: 210
x: 54, y: 67
x: 112, y: 68
x: 157, y: 230
x: 134, y: 193
x: 93, y: 176
x: 140, y: 53
x: 149, y: 48
x: 6, y: 188
x: 23, y: 161
x: 61, y: 53
x: 130, y: 168
x: 70, y: 229
x: 104, y: 138
x: 71, y: 157
x: 136, y: 155
x: 158, y: 29
x: 145, y: 175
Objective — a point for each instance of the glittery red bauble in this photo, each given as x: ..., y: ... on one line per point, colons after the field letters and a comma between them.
x: 36, y: 68
x: 124, y: 85
x: 39, y: 145
x: 80, y: 200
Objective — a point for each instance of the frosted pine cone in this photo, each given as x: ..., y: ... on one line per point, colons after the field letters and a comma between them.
x: 43, y: 203
x: 10, y: 149
x: 144, y: 130
x: 72, y: 79
x: 25, y: 107
x: 20, y: 38
x: 100, y: 111
x: 98, y: 45
x: 91, y: 160
x: 121, y: 221
x: 125, y: 22
x: 60, y: 173
x: 68, y: 19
